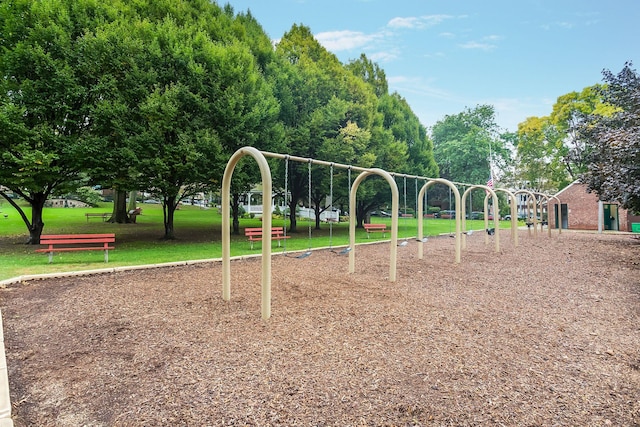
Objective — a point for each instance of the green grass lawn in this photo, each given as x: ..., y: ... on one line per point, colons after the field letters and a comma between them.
x: 197, y: 230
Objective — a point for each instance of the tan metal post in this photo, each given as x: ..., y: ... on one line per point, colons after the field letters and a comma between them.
x: 420, y: 216
x: 265, y: 173
x: 496, y: 222
x: 394, y: 220
x: 532, y: 197
x: 514, y: 215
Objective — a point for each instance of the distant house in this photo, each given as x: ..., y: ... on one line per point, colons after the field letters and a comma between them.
x: 584, y: 211
x: 251, y: 203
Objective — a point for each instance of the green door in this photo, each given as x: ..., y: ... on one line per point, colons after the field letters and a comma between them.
x: 565, y: 215
x: 610, y: 217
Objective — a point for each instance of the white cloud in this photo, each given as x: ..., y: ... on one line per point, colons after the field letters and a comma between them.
x: 383, y: 56
x: 417, y: 86
x: 412, y: 22
x: 418, y: 22
x: 336, y: 41
x: 561, y: 24
x: 478, y: 45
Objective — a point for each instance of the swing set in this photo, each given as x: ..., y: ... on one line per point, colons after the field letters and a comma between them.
x: 267, y: 188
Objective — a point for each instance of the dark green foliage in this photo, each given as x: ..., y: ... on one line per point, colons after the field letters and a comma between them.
x: 157, y: 95
x: 613, y: 141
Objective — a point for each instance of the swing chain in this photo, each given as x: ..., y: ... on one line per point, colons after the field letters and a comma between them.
x: 309, y: 205
x: 330, y: 219
x: 404, y: 188
x: 286, y: 199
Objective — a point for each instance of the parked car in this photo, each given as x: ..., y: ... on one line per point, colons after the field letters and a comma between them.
x: 477, y: 215
x: 447, y: 214
x: 520, y: 217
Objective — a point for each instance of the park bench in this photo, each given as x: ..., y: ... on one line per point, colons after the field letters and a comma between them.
x: 103, y: 215
x: 77, y: 242
x: 255, y: 234
x: 375, y: 228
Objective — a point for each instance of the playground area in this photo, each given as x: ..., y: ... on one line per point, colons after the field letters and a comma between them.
x: 545, y: 333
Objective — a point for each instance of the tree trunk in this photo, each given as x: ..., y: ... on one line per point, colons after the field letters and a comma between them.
x: 37, y: 225
x: 360, y: 216
x: 293, y: 223
x: 34, y: 232
x: 235, y: 212
x: 132, y: 201
x: 317, y: 211
x: 168, y: 211
x: 119, y: 214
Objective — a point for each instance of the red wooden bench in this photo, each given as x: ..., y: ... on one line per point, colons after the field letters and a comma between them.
x: 375, y: 228
x: 77, y: 242
x: 255, y: 234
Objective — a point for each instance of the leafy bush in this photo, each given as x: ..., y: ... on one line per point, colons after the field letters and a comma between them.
x: 86, y: 195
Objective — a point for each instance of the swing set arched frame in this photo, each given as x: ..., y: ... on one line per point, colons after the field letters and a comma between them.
x: 267, y: 193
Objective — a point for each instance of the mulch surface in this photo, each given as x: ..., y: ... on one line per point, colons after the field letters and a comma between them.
x: 543, y: 334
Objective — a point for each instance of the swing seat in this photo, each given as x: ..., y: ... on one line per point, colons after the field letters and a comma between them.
x: 255, y: 234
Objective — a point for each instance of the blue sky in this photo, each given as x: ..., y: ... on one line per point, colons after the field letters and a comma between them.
x: 445, y: 55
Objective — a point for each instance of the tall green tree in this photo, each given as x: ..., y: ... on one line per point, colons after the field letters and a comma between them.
x: 550, y: 152
x: 319, y: 97
x: 208, y: 96
x: 568, y: 111
x: 469, y: 148
x: 613, y: 141
x: 112, y: 64
x: 534, y: 155
x: 463, y: 144
x: 42, y: 99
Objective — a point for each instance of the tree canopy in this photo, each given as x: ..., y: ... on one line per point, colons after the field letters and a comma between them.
x: 156, y: 95
x: 550, y: 152
x: 613, y: 141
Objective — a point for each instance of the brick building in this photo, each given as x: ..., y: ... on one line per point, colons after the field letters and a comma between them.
x: 583, y: 211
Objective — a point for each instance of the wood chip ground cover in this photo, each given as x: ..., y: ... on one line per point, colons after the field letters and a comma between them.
x: 546, y: 333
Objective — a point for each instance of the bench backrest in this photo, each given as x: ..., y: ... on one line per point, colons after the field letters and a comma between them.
x: 375, y: 226
x: 257, y: 231
x: 67, y: 239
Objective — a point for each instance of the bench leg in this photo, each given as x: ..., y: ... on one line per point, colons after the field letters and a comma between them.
x: 50, y: 257
x: 106, y: 255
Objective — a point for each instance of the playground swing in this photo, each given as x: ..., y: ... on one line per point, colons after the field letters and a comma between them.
x: 405, y: 242
x: 424, y: 239
x: 450, y: 215
x: 468, y: 232
x: 287, y: 208
x: 286, y: 198
x: 308, y: 252
x: 348, y: 248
